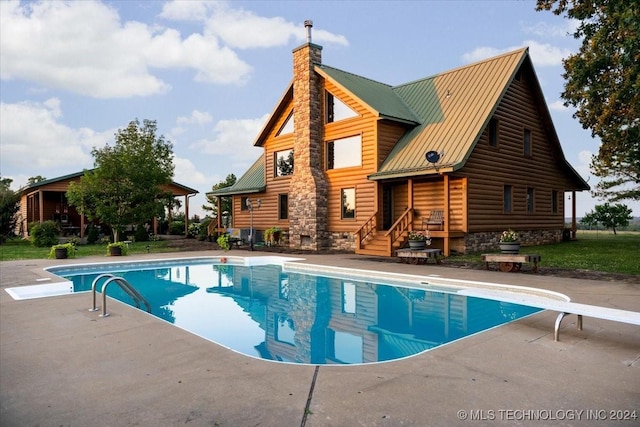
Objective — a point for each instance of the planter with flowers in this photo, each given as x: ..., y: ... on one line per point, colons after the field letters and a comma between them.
x: 509, y: 243
x: 419, y: 239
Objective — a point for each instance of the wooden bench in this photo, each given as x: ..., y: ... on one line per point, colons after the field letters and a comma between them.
x: 419, y: 256
x: 511, y: 262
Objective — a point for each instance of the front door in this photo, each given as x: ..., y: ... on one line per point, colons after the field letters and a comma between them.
x: 387, y: 206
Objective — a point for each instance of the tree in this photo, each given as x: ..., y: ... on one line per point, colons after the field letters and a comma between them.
x: 603, y: 83
x: 225, y: 203
x: 125, y: 187
x: 8, y: 208
x: 35, y: 179
x: 610, y: 216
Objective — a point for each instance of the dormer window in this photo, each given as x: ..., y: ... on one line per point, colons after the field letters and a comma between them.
x: 337, y: 110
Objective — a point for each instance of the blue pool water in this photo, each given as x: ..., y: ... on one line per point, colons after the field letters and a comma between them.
x: 265, y: 312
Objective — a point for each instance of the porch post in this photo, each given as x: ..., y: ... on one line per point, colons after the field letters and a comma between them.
x: 574, y: 226
x: 410, y: 200
x: 41, y: 206
x: 186, y: 215
x: 447, y: 202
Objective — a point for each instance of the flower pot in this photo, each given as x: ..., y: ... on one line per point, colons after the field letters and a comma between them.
x: 61, y: 253
x: 115, y: 251
x: 417, y: 244
x: 510, y: 247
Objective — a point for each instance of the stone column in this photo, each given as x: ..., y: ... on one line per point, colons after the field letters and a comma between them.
x: 308, y: 188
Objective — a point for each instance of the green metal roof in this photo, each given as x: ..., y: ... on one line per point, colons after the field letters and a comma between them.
x: 251, y: 182
x: 454, y: 108
x: 378, y: 96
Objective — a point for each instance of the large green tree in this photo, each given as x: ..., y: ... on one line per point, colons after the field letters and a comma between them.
x: 8, y: 208
x: 610, y: 216
x: 603, y: 83
x: 225, y: 202
x: 125, y: 187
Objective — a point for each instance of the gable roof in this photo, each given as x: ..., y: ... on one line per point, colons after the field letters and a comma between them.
x: 378, y: 97
x: 454, y: 108
x: 446, y: 113
x: 253, y: 181
x: 183, y: 189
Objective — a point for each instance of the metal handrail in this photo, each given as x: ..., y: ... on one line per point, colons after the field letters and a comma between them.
x: 124, y: 285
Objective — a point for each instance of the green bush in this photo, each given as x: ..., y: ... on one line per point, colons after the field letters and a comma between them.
x: 193, y: 230
x: 44, y: 234
x: 92, y: 235
x: 177, y: 228
x: 141, y: 234
x: 69, y: 247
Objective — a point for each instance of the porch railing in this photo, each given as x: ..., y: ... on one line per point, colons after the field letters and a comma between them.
x: 399, y: 228
x: 366, y: 231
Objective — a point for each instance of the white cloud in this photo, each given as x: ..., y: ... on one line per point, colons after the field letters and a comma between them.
x: 233, y: 138
x: 542, y: 54
x: 558, y: 106
x: 196, y: 117
x: 243, y: 29
x: 83, y: 47
x: 544, y: 29
x: 34, y: 139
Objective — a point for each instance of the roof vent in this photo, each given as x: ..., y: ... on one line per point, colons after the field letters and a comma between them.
x: 308, y: 24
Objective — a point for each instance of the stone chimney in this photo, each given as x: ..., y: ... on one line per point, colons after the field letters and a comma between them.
x: 308, y: 189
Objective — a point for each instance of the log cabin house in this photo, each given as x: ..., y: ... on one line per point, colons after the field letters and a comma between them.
x: 47, y: 200
x: 354, y: 164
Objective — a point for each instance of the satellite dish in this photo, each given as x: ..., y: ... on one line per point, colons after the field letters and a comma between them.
x: 432, y: 156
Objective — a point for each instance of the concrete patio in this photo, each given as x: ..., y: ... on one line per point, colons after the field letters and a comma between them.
x: 61, y: 365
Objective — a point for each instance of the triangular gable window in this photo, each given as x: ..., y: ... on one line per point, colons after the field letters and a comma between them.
x: 287, y: 127
x: 338, y: 110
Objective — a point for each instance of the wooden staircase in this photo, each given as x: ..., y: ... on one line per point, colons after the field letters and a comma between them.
x: 370, y: 241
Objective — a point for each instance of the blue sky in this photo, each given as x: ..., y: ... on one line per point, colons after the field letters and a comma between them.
x: 210, y: 73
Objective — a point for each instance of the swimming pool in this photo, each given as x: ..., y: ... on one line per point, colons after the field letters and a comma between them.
x: 270, y: 308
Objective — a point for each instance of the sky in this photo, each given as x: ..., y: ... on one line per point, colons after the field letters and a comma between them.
x: 211, y: 72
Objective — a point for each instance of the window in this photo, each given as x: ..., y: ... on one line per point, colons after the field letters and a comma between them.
x: 283, y: 163
x: 507, y: 199
x: 337, y: 110
x: 348, y: 203
x: 283, y: 206
x: 243, y: 203
x: 554, y: 201
x: 348, y: 298
x: 527, y: 143
x: 287, y: 127
x: 285, y: 329
x: 493, y: 133
x: 530, y: 200
x: 344, y: 153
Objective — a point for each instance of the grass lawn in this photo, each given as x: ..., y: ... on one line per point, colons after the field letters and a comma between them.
x: 15, y: 249
x: 596, y: 251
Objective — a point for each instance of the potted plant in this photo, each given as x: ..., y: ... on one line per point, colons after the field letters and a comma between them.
x: 509, y: 243
x: 223, y: 242
x: 117, y: 248
x: 272, y: 235
x: 62, y: 251
x: 419, y: 239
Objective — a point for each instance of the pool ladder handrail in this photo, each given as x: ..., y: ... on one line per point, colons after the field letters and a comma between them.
x: 124, y: 285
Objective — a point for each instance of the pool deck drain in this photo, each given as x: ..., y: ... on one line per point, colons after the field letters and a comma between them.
x: 61, y: 365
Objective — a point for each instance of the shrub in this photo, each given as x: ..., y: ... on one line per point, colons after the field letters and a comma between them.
x: 44, y: 234
x: 223, y: 242
x: 93, y: 234
x: 193, y: 230
x: 141, y: 234
x: 203, y: 231
x: 177, y: 228
x: 124, y: 248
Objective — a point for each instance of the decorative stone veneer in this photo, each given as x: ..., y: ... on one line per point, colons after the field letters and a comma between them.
x: 308, y: 189
x: 489, y: 241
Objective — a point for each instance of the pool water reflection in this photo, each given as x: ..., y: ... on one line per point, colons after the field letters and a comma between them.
x: 265, y: 312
